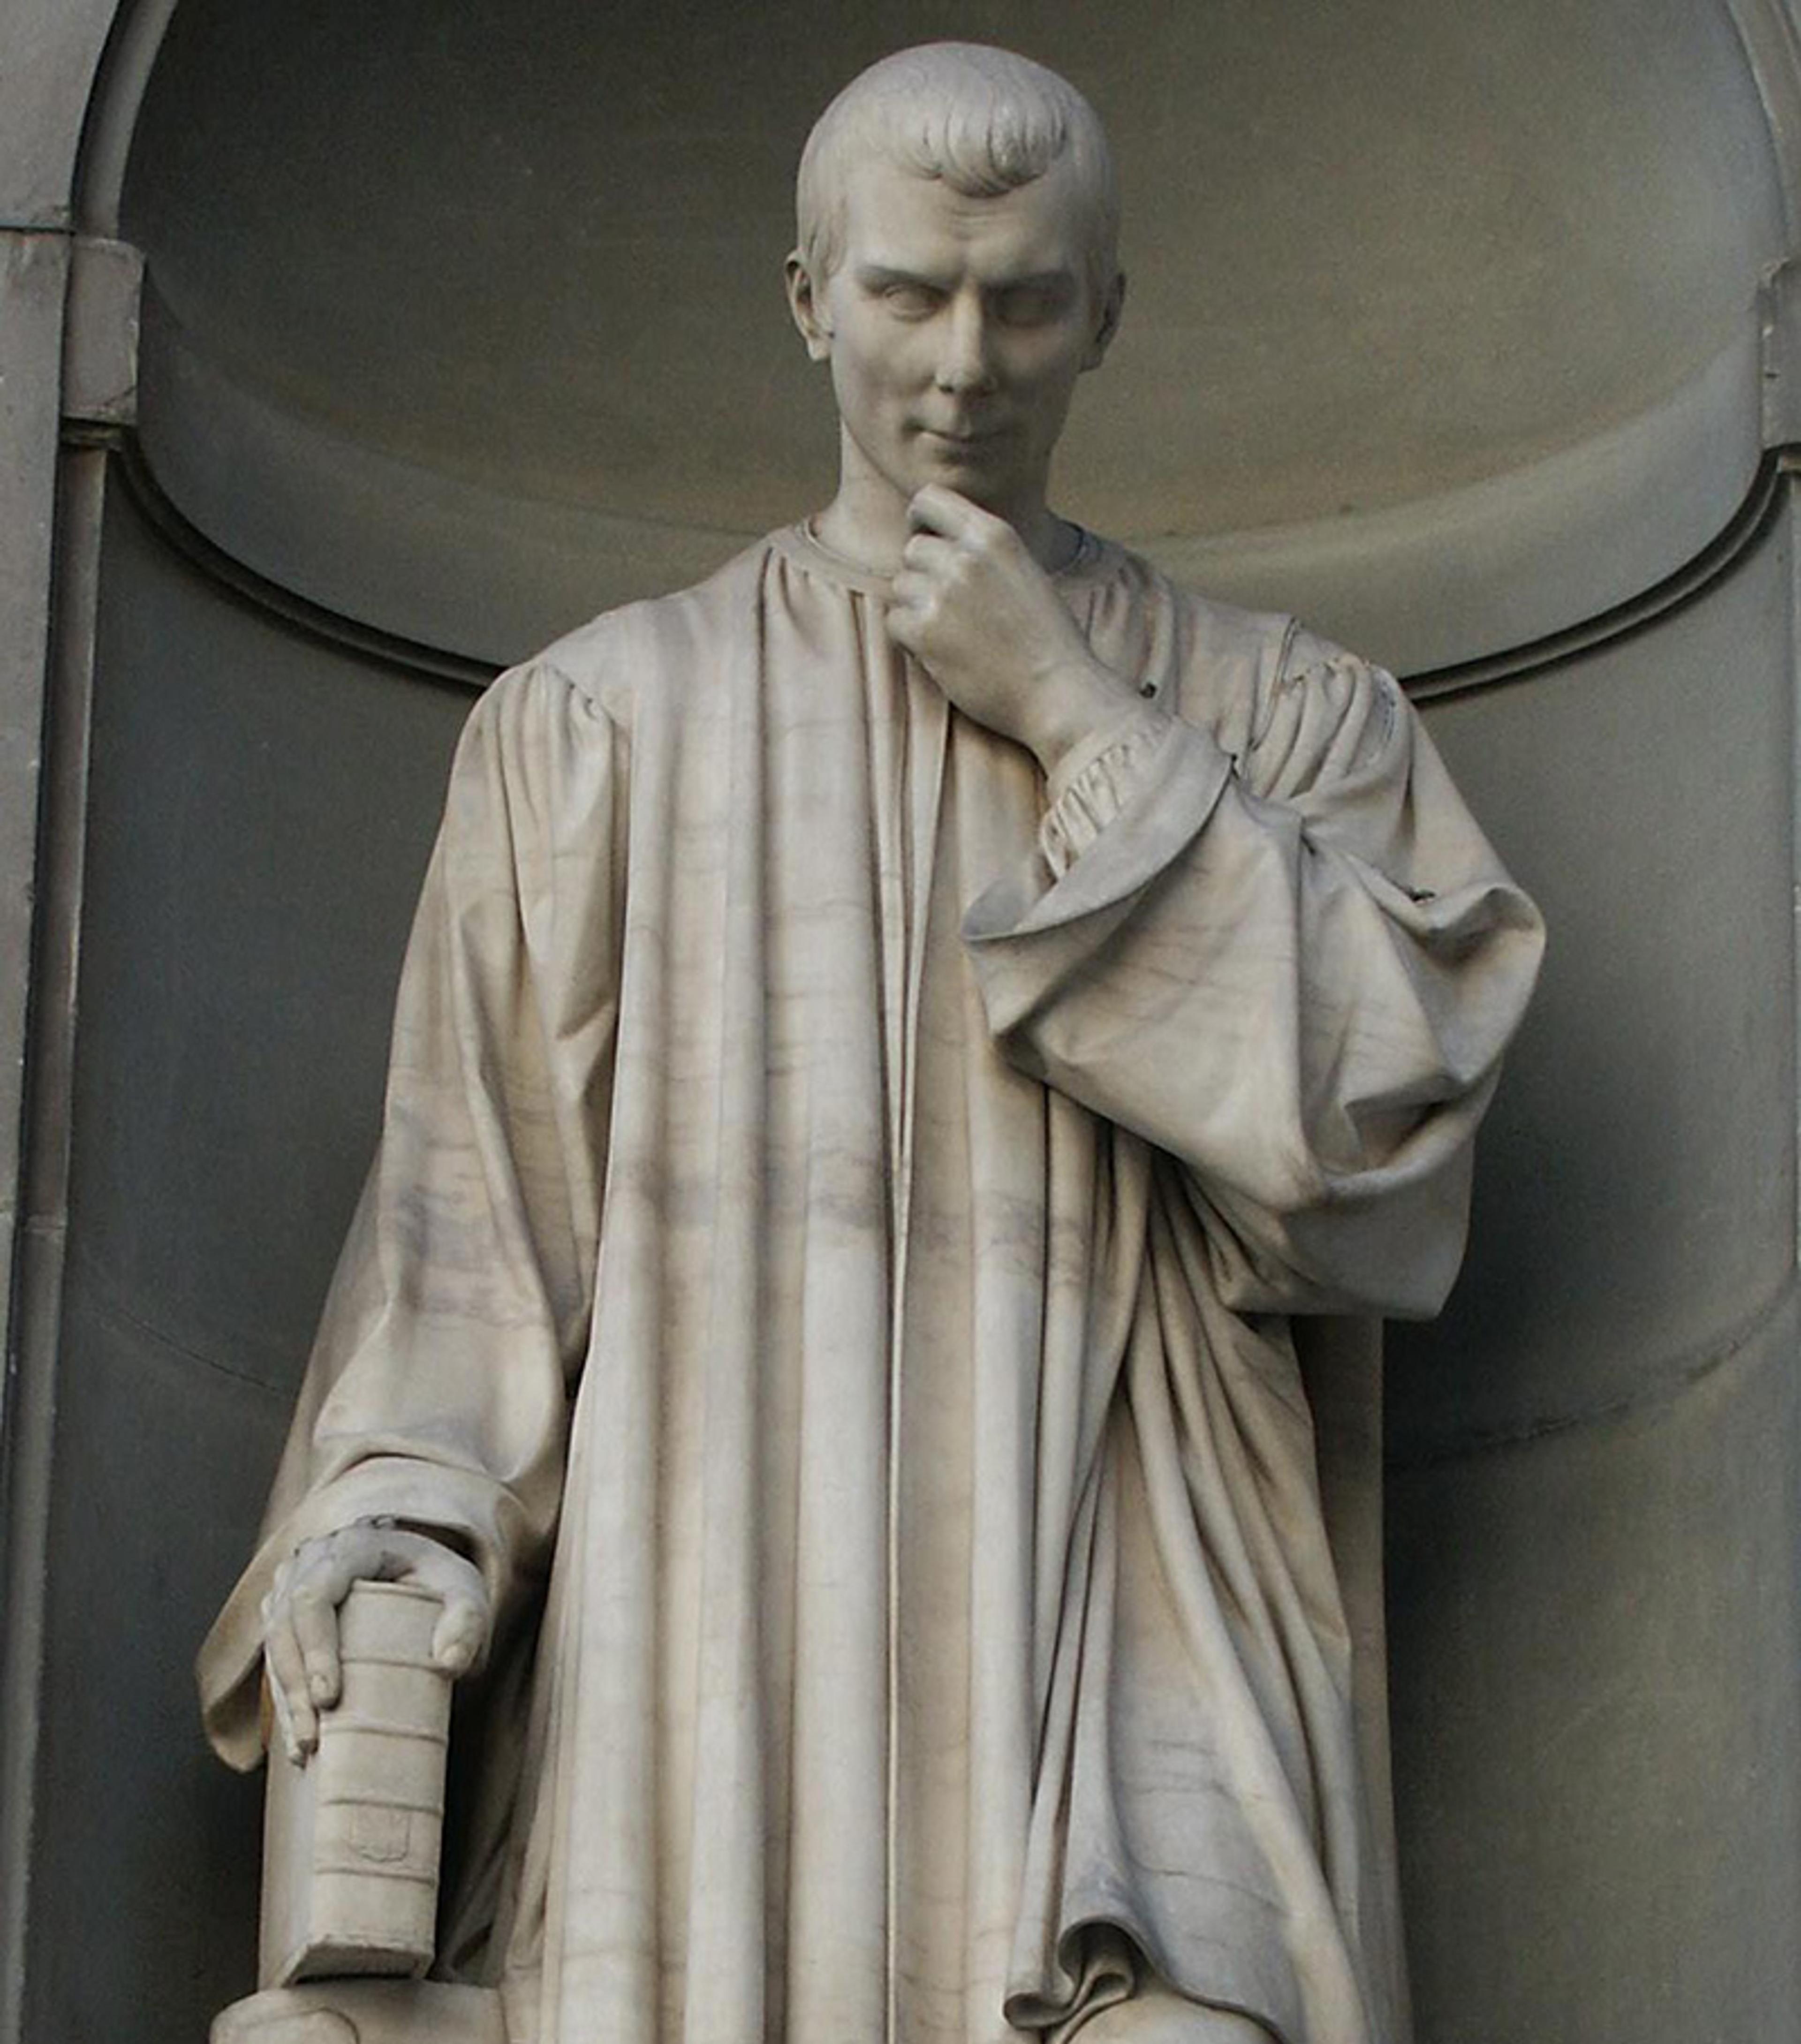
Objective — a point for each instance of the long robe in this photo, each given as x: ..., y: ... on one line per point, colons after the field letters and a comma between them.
x: 830, y: 1254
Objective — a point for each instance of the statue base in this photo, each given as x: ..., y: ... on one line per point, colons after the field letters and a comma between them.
x: 364, y: 2012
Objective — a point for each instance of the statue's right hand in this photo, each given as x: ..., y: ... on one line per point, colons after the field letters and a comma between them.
x: 300, y: 1615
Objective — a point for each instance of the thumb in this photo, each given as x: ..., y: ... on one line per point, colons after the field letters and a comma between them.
x: 460, y: 1637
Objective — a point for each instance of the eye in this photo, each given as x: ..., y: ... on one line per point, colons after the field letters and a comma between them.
x: 1031, y: 304
x: 910, y: 301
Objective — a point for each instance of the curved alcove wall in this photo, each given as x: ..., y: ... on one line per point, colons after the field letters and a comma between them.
x: 467, y: 322
x: 464, y: 322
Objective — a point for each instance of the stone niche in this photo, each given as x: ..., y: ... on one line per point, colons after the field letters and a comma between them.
x: 461, y: 322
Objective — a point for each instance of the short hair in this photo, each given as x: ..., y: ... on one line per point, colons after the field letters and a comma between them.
x: 982, y: 120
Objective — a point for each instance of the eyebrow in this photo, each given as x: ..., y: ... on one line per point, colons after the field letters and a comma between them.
x: 878, y: 276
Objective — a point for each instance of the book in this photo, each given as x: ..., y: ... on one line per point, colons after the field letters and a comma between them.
x: 351, y: 1838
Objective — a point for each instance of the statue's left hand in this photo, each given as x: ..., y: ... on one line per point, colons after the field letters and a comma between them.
x: 981, y: 616
x: 299, y: 1614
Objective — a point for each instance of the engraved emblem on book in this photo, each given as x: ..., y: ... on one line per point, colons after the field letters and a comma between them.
x: 384, y: 1836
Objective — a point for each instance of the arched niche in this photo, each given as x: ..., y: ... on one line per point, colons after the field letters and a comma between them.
x: 461, y: 322
x: 466, y: 322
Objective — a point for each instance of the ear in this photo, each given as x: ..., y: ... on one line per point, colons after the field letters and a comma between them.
x: 804, y: 303
x: 1109, y: 324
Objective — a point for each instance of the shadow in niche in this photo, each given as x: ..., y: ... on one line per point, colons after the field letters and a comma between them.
x: 1634, y: 1178
x: 527, y: 258
x: 1592, y: 1453
x: 262, y: 803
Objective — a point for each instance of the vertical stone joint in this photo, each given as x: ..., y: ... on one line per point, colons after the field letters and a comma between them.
x: 100, y: 332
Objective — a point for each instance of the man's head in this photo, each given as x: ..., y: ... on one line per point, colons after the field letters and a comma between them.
x: 981, y: 120
x: 957, y: 269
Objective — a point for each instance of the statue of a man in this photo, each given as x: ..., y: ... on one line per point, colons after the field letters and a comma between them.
x: 890, y: 1036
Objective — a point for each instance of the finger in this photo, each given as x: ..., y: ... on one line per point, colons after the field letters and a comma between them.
x: 911, y: 590
x: 323, y: 1573
x: 909, y: 627
x: 928, y: 552
x: 294, y: 1713
x: 434, y: 1564
x: 313, y: 1607
x: 935, y: 509
x: 280, y: 1721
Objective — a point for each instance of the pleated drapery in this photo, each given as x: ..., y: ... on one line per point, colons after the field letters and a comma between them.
x: 838, y: 1208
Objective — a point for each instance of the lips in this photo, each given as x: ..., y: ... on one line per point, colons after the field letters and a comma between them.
x: 964, y: 440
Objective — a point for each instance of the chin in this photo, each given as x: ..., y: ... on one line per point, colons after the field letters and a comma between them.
x: 972, y: 477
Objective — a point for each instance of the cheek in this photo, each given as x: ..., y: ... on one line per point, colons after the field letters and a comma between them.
x: 1047, y: 386
x: 863, y: 373
x: 1060, y: 356
x: 849, y: 379
x: 1045, y: 362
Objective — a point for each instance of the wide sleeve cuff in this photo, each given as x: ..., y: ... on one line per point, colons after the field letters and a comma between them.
x: 1139, y: 799
x: 463, y: 1505
x: 1095, y: 781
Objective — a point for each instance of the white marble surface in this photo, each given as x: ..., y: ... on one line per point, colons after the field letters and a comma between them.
x: 889, y: 1036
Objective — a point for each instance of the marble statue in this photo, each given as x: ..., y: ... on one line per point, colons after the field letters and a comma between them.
x: 891, y: 1036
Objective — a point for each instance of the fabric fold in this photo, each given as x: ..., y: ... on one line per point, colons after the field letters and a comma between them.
x: 935, y: 1647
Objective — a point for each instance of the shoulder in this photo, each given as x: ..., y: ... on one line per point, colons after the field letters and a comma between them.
x: 1215, y: 663
x: 1262, y: 681
x: 659, y: 642
x: 1224, y: 630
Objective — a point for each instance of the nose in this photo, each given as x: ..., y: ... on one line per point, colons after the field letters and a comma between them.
x: 964, y: 362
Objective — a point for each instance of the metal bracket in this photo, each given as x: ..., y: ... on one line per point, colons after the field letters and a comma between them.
x: 100, y: 331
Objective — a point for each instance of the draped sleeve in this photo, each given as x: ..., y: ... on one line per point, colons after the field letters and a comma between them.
x: 1275, y: 944
x: 438, y: 1387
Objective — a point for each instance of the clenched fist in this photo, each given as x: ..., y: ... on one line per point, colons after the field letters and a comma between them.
x: 981, y: 616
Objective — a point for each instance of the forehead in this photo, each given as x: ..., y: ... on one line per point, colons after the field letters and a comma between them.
x: 895, y: 219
